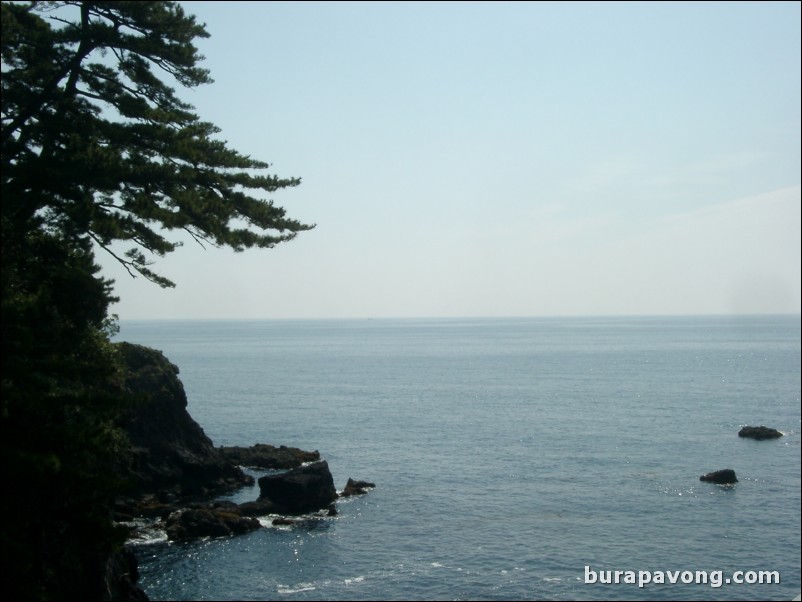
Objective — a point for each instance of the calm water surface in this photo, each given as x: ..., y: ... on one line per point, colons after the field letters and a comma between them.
x: 509, y: 454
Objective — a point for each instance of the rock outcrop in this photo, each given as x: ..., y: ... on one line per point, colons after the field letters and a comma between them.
x: 268, y: 457
x: 219, y: 520
x: 759, y: 432
x: 353, y: 487
x: 170, y: 453
x: 723, y: 477
x: 300, y: 490
x: 174, y: 465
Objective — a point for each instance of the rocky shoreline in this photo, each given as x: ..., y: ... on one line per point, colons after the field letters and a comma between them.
x: 175, y: 475
x: 174, y: 470
x: 306, y: 491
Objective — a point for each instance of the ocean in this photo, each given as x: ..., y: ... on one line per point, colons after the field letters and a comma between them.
x: 514, y: 459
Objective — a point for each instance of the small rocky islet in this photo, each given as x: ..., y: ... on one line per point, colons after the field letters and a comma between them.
x: 727, y: 476
x: 759, y: 433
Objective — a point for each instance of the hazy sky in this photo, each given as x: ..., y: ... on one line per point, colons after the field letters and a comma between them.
x: 504, y: 159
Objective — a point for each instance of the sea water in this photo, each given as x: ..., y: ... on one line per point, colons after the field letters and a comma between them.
x: 514, y: 459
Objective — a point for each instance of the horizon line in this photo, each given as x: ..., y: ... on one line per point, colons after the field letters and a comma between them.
x: 467, y: 317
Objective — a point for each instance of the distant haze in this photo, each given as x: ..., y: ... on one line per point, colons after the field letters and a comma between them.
x: 503, y: 159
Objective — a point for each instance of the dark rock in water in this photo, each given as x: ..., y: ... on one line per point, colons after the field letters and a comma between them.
x: 268, y: 457
x: 281, y: 521
x: 209, y: 521
x: 300, y: 490
x: 170, y: 452
x: 353, y: 487
x: 261, y: 507
x: 759, y: 432
x: 725, y: 476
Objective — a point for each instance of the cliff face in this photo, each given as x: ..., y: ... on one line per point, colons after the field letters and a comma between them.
x: 173, y: 466
x: 170, y: 452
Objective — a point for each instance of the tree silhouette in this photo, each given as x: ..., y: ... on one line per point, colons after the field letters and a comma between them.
x: 95, y: 145
x: 97, y: 152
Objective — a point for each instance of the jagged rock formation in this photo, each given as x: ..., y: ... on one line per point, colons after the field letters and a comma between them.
x: 170, y: 453
x: 173, y: 464
x: 353, y: 487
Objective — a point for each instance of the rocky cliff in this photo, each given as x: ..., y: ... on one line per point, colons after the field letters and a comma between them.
x: 170, y: 453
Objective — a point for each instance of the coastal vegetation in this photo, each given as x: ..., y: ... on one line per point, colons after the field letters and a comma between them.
x: 99, y: 154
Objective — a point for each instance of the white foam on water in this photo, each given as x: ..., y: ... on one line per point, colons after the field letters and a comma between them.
x: 294, y: 589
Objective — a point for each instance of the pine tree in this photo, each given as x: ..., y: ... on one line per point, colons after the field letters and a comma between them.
x: 95, y: 145
x: 97, y: 151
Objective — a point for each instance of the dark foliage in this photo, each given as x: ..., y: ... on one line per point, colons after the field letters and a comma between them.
x: 97, y: 151
x: 95, y: 145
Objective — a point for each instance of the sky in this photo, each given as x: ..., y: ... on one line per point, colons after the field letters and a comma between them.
x: 502, y: 159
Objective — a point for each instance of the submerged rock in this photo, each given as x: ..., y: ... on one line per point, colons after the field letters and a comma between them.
x: 723, y: 477
x: 759, y: 432
x: 300, y: 490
